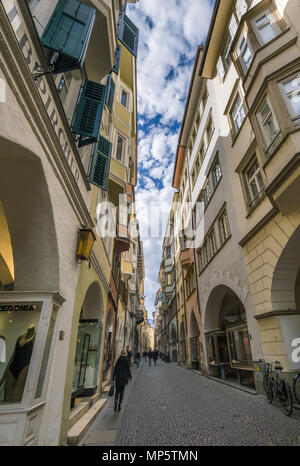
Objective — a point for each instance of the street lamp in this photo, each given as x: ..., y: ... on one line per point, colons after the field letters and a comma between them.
x: 85, y: 242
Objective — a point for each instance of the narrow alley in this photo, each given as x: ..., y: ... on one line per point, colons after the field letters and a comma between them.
x: 170, y: 405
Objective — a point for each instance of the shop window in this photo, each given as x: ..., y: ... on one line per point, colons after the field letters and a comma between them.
x: 245, y: 54
x: 267, y: 122
x: 18, y: 324
x: 239, y: 346
x: 254, y: 182
x: 291, y: 92
x: 265, y: 27
x: 237, y: 114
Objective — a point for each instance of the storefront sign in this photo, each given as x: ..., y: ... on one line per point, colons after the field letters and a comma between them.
x: 31, y: 57
x: 15, y: 307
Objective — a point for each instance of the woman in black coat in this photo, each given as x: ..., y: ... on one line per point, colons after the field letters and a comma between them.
x: 121, y: 375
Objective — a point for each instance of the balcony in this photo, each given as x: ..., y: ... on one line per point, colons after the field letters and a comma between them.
x: 170, y: 289
x: 126, y: 270
x: 186, y: 258
x: 132, y: 287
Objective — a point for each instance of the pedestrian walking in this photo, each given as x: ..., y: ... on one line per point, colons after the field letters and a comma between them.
x: 121, y: 375
x: 145, y: 355
x: 137, y: 359
x: 150, y: 356
x: 155, y: 356
x: 129, y: 354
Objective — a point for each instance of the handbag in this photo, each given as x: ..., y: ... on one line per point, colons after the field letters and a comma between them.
x: 112, y: 389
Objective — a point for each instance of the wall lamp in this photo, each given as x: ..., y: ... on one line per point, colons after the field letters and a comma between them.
x: 85, y: 242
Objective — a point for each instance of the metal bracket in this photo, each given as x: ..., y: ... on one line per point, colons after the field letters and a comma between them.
x: 42, y: 71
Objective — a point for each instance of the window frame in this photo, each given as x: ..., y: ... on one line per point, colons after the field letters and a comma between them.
x: 270, y: 20
x: 241, y: 106
x: 251, y: 199
x: 262, y: 121
x: 286, y: 98
x: 222, y: 215
x: 241, y: 53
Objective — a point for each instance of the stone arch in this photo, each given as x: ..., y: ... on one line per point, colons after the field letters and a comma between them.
x: 173, y: 334
x: 92, y: 307
x: 285, y: 292
x: 226, y: 279
x: 28, y: 212
x: 194, y: 326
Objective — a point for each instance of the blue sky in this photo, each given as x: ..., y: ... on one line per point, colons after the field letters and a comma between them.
x: 170, y: 31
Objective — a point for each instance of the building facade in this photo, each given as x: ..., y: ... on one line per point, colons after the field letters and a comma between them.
x: 237, y: 165
x: 65, y: 102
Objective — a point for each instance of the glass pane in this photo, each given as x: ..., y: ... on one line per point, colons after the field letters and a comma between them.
x: 44, y: 365
x: 18, y: 327
x: 247, y: 57
x: 119, y: 148
x: 85, y: 349
x: 124, y: 99
x: 292, y: 85
x: 295, y: 102
x: 223, y: 348
x: 267, y: 33
x: 271, y: 127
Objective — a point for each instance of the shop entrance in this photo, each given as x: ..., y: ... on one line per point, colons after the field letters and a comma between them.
x: 89, y: 337
x: 229, y: 354
x: 194, y: 342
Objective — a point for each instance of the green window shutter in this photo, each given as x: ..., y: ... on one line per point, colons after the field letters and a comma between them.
x: 100, y: 165
x: 118, y: 59
x: 68, y: 32
x: 129, y: 35
x: 110, y: 92
x: 88, y: 112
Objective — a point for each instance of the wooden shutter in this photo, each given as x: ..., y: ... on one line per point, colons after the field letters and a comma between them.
x: 110, y: 92
x: 88, y: 112
x: 129, y: 34
x: 68, y: 32
x: 100, y: 165
x: 118, y: 59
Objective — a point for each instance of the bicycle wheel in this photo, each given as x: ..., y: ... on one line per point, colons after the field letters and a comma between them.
x: 286, y: 398
x: 296, y: 388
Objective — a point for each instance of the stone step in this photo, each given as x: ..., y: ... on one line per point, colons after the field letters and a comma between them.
x: 77, y: 412
x: 81, y: 408
x: 80, y: 428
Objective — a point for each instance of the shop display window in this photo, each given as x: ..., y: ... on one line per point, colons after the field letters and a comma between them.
x: 217, y: 349
x: 239, y: 344
x: 18, y: 327
x: 87, y: 356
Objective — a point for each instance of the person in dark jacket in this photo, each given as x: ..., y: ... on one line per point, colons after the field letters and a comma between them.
x: 121, y: 375
x: 129, y: 354
x: 137, y: 359
x: 150, y: 356
x: 155, y: 356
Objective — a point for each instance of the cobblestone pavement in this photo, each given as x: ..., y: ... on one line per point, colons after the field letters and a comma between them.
x: 168, y: 405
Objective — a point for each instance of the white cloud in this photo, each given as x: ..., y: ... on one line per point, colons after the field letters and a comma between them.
x: 165, y: 59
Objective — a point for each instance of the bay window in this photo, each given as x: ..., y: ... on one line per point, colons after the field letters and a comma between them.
x: 237, y: 113
x: 245, y: 54
x: 265, y: 27
x: 267, y: 122
x: 254, y: 181
x: 291, y: 92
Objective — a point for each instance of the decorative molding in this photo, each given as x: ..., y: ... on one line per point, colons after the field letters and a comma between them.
x: 286, y: 312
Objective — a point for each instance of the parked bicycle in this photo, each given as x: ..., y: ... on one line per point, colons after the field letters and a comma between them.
x: 278, y: 387
x: 296, y: 388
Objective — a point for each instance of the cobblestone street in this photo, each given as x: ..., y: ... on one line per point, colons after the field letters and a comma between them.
x: 168, y: 405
